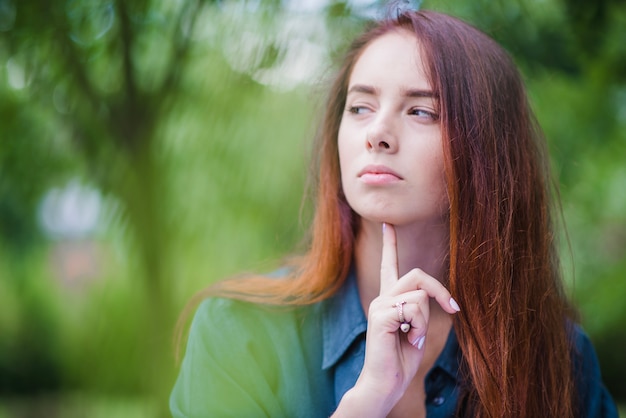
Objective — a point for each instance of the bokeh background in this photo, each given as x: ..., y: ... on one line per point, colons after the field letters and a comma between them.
x: 151, y: 147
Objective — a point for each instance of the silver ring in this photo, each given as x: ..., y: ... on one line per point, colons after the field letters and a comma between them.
x: 400, y: 307
x: 404, y: 326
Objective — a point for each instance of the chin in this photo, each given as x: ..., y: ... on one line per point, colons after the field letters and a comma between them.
x: 400, y: 221
x: 381, y: 218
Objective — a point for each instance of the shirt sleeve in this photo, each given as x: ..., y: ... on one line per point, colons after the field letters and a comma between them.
x: 595, y: 400
x: 223, y: 373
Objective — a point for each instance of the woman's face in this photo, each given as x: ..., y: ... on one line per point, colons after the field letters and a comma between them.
x: 390, y: 146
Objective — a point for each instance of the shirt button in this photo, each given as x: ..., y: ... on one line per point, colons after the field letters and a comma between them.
x: 438, y: 400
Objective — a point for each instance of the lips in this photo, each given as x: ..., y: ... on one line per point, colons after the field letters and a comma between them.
x: 378, y: 175
x: 379, y: 170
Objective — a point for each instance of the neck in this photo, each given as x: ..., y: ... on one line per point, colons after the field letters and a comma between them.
x: 421, y: 246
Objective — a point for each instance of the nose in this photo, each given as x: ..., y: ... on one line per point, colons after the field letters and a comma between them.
x: 381, y: 137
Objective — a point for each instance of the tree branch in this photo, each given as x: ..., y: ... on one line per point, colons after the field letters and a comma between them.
x: 181, y: 42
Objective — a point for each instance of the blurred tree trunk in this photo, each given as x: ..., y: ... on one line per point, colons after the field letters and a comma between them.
x: 114, y: 123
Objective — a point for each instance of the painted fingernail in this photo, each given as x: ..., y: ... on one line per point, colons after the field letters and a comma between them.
x: 454, y: 305
x: 419, y: 344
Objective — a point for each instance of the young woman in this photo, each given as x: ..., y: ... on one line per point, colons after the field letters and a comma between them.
x: 433, y: 217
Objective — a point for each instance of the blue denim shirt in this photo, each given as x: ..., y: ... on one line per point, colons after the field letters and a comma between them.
x: 245, y: 360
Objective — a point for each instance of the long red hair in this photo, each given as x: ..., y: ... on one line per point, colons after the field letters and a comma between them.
x: 503, y: 267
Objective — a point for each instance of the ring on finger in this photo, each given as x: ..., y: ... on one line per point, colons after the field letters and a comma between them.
x: 404, y: 326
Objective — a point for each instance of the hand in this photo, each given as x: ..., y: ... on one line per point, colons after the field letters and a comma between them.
x: 392, y: 357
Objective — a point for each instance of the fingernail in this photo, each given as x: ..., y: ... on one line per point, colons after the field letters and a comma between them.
x: 420, y: 342
x: 454, y: 305
x: 384, y: 226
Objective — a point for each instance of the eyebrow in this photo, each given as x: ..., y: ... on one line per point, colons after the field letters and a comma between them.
x: 408, y: 92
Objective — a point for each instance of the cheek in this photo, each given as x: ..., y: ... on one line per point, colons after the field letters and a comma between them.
x: 343, y: 149
x: 442, y: 182
x: 432, y: 174
x: 343, y: 161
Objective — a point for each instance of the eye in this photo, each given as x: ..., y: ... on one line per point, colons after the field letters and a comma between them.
x: 357, y: 110
x: 424, y: 114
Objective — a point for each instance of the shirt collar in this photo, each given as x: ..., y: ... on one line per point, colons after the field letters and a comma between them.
x: 449, y: 358
x: 343, y: 321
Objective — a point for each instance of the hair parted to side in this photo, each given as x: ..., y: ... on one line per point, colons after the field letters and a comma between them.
x: 503, y: 267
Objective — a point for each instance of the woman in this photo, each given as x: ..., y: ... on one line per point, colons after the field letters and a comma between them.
x: 432, y: 182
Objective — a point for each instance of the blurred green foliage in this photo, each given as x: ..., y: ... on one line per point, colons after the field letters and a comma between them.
x: 189, y: 123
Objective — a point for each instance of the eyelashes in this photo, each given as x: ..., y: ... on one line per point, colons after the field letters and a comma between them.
x: 418, y: 112
x: 425, y: 114
x: 357, y: 110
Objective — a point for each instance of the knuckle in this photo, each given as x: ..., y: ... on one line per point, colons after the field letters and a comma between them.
x: 375, y: 315
x: 417, y: 271
x: 378, y: 304
x: 422, y: 295
x: 418, y: 328
x: 374, y: 304
x: 419, y: 325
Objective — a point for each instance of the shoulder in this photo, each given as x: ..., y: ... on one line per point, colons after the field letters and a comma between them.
x: 245, y: 359
x: 264, y: 332
x: 223, y: 313
x: 584, y: 356
x: 595, y: 400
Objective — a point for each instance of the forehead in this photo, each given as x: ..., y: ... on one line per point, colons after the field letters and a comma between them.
x: 394, y: 57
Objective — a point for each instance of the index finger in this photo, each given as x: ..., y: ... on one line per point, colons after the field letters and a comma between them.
x: 389, y: 259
